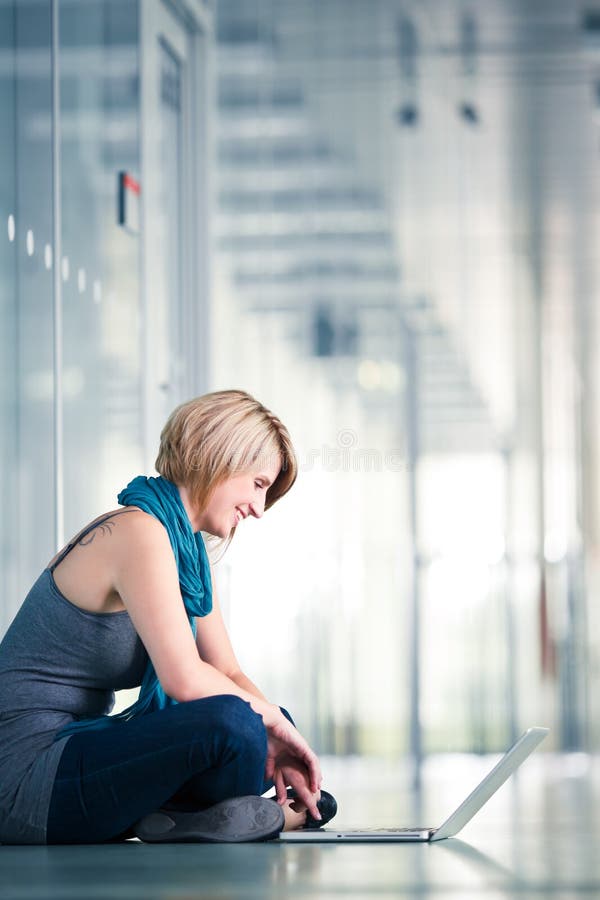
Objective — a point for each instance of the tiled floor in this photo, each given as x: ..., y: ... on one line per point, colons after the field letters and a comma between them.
x: 539, y: 836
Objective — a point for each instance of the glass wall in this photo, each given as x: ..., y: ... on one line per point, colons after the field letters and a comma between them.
x: 76, y: 350
x: 76, y: 344
x: 8, y: 329
x: 27, y: 464
x: 102, y: 324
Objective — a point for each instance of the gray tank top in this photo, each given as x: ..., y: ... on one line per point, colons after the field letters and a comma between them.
x: 58, y: 663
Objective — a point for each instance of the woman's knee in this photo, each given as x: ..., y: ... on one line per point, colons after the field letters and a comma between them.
x: 231, y: 720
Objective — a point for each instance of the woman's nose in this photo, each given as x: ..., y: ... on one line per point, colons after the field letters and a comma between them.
x: 257, y: 508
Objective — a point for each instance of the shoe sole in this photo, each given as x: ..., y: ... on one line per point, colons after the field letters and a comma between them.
x: 231, y: 821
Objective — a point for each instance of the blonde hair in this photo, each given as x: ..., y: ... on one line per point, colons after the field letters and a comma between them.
x: 225, y: 433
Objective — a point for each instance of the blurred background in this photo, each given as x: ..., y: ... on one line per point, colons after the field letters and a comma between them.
x: 381, y: 217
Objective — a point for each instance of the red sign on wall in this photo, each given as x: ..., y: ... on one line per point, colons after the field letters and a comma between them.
x: 129, y: 202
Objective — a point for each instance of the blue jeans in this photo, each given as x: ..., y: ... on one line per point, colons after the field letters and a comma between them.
x: 188, y: 756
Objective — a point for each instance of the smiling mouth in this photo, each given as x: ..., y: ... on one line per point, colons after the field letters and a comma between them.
x: 239, y: 515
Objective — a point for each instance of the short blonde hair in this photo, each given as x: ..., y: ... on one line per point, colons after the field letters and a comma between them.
x: 225, y: 433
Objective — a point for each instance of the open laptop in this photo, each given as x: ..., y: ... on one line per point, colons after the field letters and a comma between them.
x: 511, y: 760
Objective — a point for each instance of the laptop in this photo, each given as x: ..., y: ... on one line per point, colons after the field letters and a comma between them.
x: 511, y: 760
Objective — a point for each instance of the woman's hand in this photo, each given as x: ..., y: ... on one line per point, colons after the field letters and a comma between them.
x: 290, y: 761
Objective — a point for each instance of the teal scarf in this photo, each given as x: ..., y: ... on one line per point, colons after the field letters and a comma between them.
x: 161, y: 499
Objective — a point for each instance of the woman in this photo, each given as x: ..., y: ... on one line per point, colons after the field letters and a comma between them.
x: 130, y: 601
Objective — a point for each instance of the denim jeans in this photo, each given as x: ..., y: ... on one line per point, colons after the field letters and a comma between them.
x: 187, y: 756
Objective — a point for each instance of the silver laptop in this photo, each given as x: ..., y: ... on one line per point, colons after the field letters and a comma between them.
x: 511, y: 760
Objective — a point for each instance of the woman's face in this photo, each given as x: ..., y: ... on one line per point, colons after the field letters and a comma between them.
x: 235, y: 499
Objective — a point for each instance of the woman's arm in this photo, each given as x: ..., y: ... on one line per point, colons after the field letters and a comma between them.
x: 147, y: 581
x: 145, y: 576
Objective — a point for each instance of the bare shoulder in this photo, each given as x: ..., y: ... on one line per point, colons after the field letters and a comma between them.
x: 143, y: 564
x: 140, y: 533
x: 114, y: 535
x: 139, y: 522
x: 92, y: 562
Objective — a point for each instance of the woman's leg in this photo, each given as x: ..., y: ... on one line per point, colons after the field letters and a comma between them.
x: 109, y: 778
x: 206, y: 785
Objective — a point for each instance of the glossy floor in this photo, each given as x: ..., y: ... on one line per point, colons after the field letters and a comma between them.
x: 538, y: 836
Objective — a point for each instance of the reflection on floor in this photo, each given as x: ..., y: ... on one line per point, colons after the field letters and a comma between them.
x: 538, y: 836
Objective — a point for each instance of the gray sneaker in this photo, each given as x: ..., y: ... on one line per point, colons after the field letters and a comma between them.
x: 231, y: 821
